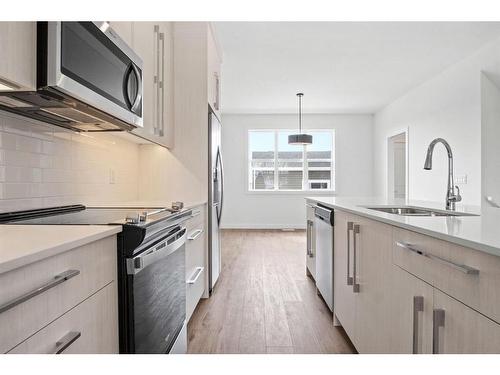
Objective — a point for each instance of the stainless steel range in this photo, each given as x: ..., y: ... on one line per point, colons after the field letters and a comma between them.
x: 151, y: 269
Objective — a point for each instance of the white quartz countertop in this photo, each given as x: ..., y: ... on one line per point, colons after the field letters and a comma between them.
x: 477, y: 232
x: 24, y: 244
x: 144, y: 204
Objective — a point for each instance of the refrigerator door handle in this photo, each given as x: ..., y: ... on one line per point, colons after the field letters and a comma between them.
x: 221, y: 186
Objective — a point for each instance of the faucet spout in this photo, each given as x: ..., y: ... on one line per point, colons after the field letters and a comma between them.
x: 451, y: 197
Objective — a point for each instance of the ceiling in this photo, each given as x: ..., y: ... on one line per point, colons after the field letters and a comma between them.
x: 342, y: 67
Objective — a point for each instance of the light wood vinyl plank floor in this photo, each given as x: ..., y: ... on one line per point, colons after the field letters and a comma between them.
x: 263, y: 301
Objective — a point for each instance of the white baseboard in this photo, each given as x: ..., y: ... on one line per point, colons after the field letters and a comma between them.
x: 263, y: 226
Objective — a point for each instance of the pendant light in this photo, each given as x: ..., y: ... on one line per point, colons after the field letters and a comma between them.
x: 300, y: 138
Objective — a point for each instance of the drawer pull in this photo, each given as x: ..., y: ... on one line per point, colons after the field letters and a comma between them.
x: 350, y: 226
x: 438, y: 316
x: 418, y: 306
x: 195, y: 234
x: 355, y: 231
x: 460, y: 267
x: 195, y: 213
x: 196, y: 275
x: 65, y: 342
x: 58, y: 279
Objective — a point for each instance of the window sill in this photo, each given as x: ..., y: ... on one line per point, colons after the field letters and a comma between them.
x: 291, y: 192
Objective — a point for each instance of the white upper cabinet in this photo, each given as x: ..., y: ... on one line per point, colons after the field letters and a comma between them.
x: 214, y: 61
x: 17, y: 56
x: 152, y: 41
x: 123, y: 29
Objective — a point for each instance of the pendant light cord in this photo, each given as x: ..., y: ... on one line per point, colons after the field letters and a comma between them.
x: 300, y: 112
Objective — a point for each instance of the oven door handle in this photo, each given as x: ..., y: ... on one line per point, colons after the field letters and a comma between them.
x: 159, y: 251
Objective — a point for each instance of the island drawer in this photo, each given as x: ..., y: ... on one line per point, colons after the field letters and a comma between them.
x: 470, y: 276
x: 89, y: 328
x: 35, y: 295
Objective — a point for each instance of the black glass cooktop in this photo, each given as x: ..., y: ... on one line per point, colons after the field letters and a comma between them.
x: 81, y: 215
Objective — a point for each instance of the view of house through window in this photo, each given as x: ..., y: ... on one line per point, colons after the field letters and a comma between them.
x: 273, y: 164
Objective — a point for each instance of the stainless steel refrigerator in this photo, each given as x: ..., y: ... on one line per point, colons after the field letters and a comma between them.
x: 215, y: 199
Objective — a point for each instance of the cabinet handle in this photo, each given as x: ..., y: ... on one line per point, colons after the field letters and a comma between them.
x: 195, y: 213
x: 355, y: 231
x: 309, y: 238
x: 65, y: 342
x: 58, y: 279
x: 217, y: 88
x: 438, y: 316
x: 161, y: 87
x: 196, y: 274
x: 156, y: 79
x: 195, y: 234
x: 418, y: 306
x: 460, y: 267
x: 349, y: 228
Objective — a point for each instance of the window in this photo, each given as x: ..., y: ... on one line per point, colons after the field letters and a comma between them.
x: 273, y: 164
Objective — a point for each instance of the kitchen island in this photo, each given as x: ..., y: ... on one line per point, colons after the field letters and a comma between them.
x: 413, y: 284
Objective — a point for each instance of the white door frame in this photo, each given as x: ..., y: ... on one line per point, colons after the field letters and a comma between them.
x: 406, y: 132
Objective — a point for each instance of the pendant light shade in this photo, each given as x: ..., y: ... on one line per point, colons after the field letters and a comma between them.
x: 300, y: 138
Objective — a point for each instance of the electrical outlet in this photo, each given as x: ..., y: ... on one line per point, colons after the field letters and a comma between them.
x: 111, y: 176
x: 461, y: 179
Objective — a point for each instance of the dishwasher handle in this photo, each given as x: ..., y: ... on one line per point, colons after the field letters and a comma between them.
x: 324, y: 214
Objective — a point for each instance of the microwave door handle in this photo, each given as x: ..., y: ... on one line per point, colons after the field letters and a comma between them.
x: 138, y: 97
x: 126, y: 79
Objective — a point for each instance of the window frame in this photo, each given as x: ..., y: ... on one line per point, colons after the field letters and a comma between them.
x: 305, y: 167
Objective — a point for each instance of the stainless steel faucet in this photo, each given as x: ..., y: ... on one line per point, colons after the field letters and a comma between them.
x: 451, y: 197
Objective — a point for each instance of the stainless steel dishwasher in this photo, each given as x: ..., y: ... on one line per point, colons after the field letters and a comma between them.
x: 323, y: 223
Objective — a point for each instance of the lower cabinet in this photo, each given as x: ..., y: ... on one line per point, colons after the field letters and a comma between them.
x: 410, y: 314
x: 88, y: 328
x: 362, y: 280
x: 196, y: 270
x: 460, y: 329
x: 391, y: 298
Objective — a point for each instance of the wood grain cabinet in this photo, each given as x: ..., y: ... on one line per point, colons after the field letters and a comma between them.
x: 124, y: 30
x: 18, y: 56
x: 153, y: 42
x: 361, y: 279
x: 214, y: 61
x: 397, y: 291
x: 47, y: 299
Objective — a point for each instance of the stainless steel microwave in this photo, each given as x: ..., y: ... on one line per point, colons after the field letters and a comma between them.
x: 88, y: 79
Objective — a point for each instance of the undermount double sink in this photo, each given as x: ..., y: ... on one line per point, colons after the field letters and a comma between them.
x: 416, y: 211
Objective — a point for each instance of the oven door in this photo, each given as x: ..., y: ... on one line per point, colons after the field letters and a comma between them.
x: 158, y: 304
x: 89, y: 61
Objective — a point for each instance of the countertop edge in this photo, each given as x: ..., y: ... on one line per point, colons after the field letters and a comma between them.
x: 478, y: 246
x: 14, y: 263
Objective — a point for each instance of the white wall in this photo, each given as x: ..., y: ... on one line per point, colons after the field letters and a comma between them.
x: 243, y: 209
x: 44, y: 165
x: 447, y: 106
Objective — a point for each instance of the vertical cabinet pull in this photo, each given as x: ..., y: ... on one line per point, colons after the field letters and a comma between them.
x: 309, y: 238
x: 438, y: 316
x: 161, y: 88
x: 355, y: 231
x: 217, y: 91
x: 156, y: 78
x: 350, y: 225
x: 65, y: 342
x: 418, y: 306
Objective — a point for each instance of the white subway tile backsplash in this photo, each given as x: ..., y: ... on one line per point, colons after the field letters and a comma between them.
x: 42, y: 165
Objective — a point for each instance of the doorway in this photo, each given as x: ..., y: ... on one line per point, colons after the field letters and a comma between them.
x: 397, y: 166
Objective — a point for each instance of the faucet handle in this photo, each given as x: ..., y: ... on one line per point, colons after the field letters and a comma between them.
x: 458, y: 197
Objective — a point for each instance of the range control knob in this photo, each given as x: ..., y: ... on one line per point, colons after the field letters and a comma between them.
x: 132, y: 218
